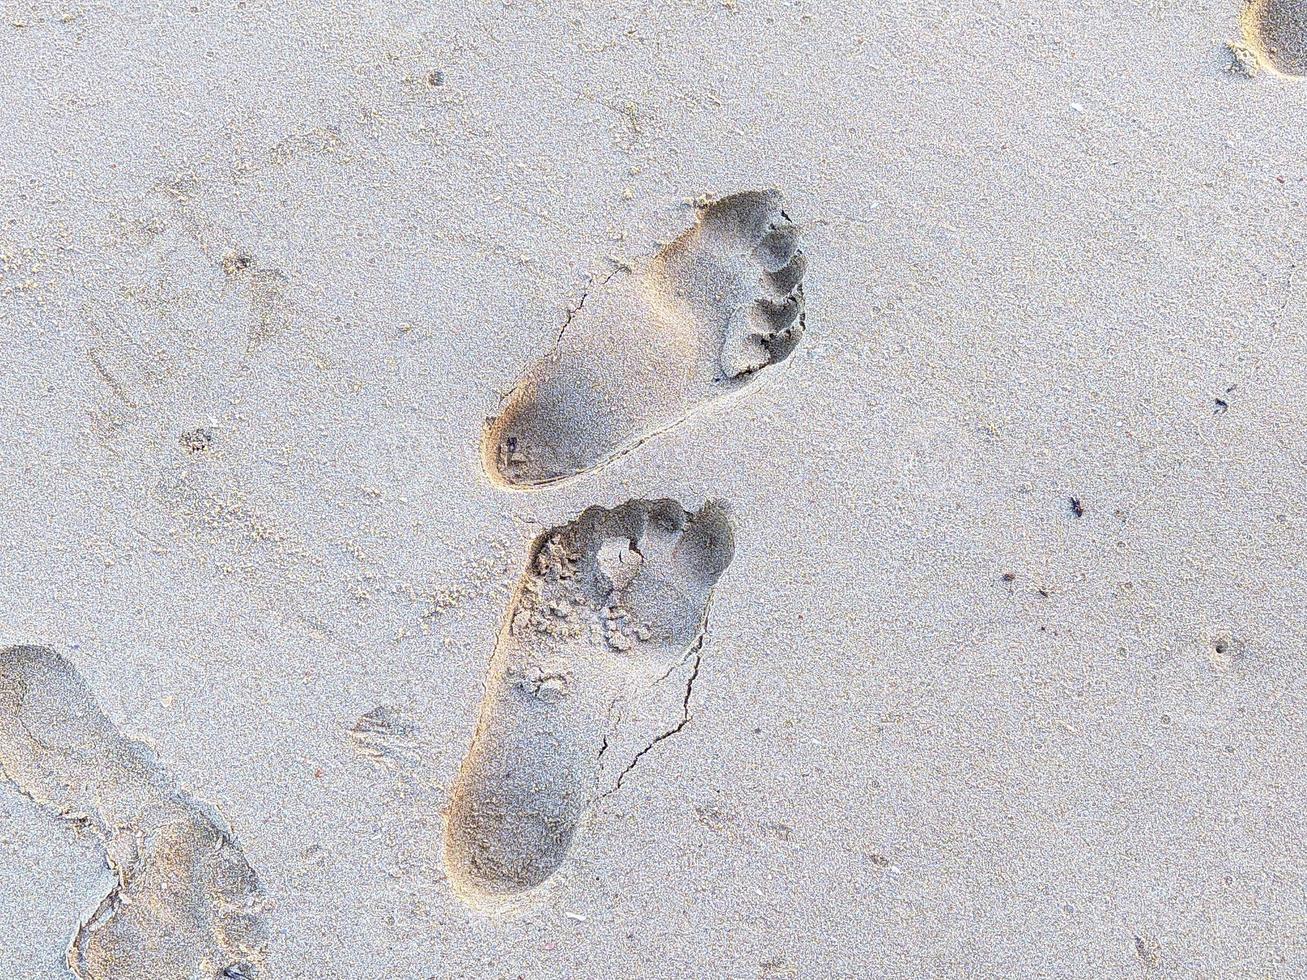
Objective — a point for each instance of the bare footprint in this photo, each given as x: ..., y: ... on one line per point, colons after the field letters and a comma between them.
x: 698, y: 321
x: 594, y: 664
x: 1276, y: 33
x: 186, y: 904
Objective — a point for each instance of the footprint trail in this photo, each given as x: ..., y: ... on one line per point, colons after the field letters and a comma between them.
x: 700, y: 320
x: 594, y: 666
x: 186, y: 904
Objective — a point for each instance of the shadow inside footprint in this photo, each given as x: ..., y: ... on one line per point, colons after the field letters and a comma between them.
x: 1276, y: 33
x: 609, y: 608
x: 186, y: 904
x: 698, y: 321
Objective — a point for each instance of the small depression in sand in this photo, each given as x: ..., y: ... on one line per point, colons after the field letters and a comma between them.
x: 1276, y: 31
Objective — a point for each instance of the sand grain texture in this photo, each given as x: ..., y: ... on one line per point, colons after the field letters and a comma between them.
x: 266, y: 271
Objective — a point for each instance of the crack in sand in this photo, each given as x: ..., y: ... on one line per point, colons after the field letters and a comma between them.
x: 685, y: 720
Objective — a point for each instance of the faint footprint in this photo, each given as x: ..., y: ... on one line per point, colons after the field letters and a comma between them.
x: 186, y: 904
x: 595, y: 662
x: 385, y: 736
x: 698, y: 321
x: 1276, y: 33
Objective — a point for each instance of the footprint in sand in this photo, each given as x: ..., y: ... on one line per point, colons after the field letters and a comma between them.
x: 186, y: 904
x: 698, y: 321
x: 1276, y: 32
x: 595, y: 663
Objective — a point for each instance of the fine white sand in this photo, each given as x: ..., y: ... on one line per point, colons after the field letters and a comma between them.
x: 1006, y: 677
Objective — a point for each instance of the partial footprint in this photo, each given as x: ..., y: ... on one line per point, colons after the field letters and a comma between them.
x: 186, y: 904
x: 698, y: 321
x: 594, y: 665
x: 1276, y: 32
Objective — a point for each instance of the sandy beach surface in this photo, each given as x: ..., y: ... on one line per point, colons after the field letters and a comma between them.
x: 1003, y: 671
